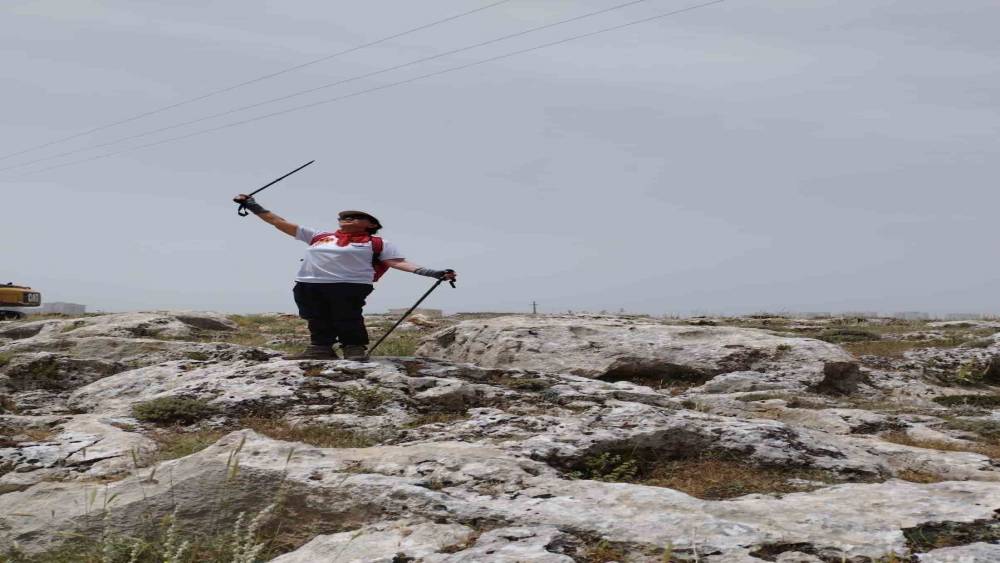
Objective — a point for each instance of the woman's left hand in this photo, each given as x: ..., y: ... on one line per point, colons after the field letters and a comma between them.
x: 450, y: 275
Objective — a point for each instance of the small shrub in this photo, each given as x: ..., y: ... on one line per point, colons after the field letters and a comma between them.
x: 5, y: 358
x: 7, y: 405
x: 840, y: 335
x: 613, y: 468
x: 173, y: 410
x: 197, y: 356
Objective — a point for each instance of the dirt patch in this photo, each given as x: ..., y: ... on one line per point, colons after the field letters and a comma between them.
x: 655, y: 374
x: 711, y: 475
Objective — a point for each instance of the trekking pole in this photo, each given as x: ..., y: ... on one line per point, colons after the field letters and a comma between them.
x: 242, y: 211
x: 407, y: 313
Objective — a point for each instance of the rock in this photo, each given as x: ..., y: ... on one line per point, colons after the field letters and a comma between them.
x: 385, y: 542
x: 467, y: 463
x: 512, y: 545
x: 637, y: 350
x: 49, y: 371
x: 840, y: 378
x: 992, y: 374
x: 978, y: 552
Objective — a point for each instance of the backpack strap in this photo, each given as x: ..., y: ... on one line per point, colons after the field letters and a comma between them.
x: 380, y: 267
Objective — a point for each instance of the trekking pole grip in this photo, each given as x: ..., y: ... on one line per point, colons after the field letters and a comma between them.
x: 450, y: 271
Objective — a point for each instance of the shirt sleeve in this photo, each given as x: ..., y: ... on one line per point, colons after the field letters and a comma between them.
x: 305, y: 234
x: 390, y: 251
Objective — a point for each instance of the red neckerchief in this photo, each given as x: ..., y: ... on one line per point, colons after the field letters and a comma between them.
x: 343, y: 239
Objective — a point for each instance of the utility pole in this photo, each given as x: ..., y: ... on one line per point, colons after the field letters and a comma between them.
x: 534, y: 308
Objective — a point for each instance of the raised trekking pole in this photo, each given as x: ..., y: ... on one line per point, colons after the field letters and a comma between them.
x: 242, y: 211
x: 407, y: 313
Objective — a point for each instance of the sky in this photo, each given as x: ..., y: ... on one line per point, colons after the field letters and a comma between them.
x: 746, y: 156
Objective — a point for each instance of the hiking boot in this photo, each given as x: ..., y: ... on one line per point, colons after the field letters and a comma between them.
x: 357, y: 352
x: 315, y: 352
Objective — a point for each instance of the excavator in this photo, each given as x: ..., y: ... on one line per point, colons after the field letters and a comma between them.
x: 16, y: 296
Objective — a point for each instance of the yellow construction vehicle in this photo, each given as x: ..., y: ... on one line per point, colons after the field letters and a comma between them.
x: 17, y: 296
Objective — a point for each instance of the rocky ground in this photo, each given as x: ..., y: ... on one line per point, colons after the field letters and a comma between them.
x: 186, y: 437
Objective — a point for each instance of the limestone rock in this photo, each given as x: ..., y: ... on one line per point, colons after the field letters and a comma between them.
x: 978, y: 552
x: 615, y: 348
x: 385, y: 542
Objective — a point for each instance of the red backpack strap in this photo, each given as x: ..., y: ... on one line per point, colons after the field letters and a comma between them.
x: 380, y: 267
x: 320, y: 237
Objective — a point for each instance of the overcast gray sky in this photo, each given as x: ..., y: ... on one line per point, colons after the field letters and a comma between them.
x: 753, y: 155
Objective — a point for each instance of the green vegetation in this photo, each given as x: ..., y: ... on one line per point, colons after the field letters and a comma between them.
x: 248, y: 540
x: 173, y: 410
x: 841, y: 335
x: 613, y: 468
x: 368, y: 400
x: 984, y: 401
x: 5, y: 358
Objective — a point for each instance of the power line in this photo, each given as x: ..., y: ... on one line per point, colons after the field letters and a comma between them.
x: 253, y: 80
x: 329, y: 85
x: 386, y: 86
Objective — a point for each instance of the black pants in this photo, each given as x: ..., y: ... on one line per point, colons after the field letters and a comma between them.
x: 333, y: 311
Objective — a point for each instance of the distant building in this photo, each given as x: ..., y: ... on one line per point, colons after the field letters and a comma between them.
x: 861, y: 314
x: 912, y: 315
x: 963, y: 317
x: 61, y: 308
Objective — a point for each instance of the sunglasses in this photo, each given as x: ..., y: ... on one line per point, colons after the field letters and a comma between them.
x: 353, y: 217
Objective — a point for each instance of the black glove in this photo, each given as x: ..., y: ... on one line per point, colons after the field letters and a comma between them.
x: 436, y: 274
x: 249, y: 204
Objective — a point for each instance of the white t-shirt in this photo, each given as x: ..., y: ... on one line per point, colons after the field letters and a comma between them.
x: 325, y: 262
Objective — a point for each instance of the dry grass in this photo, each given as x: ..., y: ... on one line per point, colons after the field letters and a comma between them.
x: 176, y: 443
x: 319, y: 435
x: 989, y: 449
x: 914, y: 476
x: 259, y: 331
x: 38, y: 434
x: 710, y: 476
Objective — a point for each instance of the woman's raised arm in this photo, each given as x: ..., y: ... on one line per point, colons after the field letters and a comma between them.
x: 279, y: 223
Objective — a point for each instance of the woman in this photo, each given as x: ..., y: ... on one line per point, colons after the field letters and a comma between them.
x: 337, y: 275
